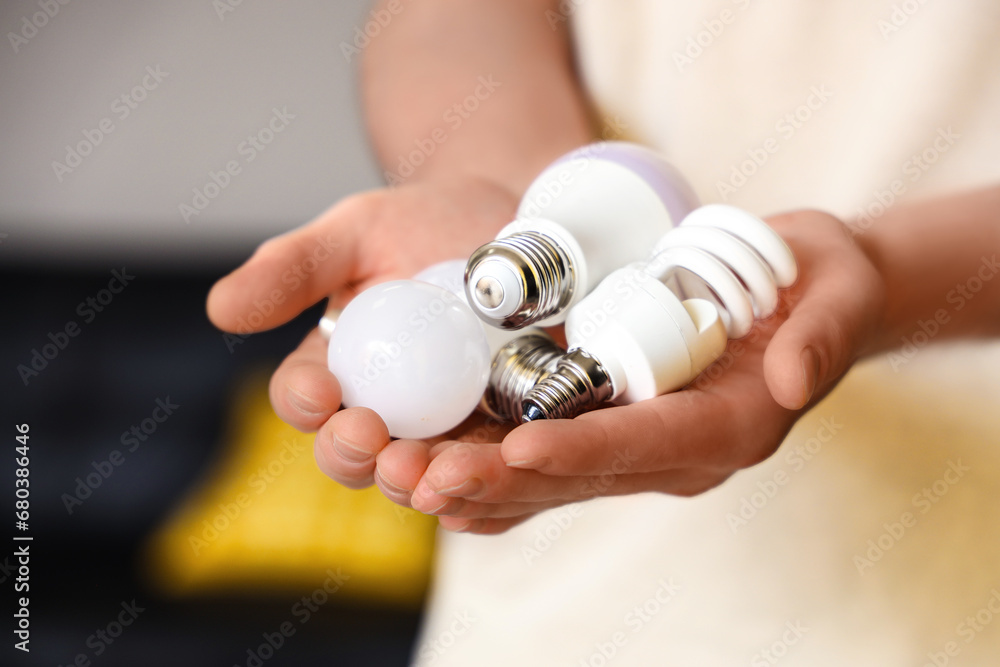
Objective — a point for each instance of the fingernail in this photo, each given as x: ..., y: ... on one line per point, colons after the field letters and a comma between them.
x: 470, y: 527
x: 470, y: 487
x: 530, y: 464
x: 449, y: 506
x: 304, y: 404
x: 440, y: 507
x: 349, y: 451
x: 390, y: 487
x: 810, y: 372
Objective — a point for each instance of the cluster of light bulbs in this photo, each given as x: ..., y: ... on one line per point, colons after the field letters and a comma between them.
x: 609, y: 240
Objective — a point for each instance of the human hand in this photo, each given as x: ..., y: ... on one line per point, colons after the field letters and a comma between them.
x: 364, y: 240
x: 734, y: 416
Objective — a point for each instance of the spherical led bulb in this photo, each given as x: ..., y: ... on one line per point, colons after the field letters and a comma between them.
x: 414, y: 353
x: 449, y: 274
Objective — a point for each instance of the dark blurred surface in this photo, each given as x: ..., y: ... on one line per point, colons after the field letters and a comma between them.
x: 151, y: 341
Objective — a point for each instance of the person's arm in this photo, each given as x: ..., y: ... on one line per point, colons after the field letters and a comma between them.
x: 939, y: 259
x: 496, y: 77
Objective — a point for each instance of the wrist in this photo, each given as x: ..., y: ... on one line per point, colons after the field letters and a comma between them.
x: 884, y: 333
x: 929, y: 255
x: 500, y: 167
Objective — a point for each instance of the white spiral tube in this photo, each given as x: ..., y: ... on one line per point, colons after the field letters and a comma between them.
x: 729, y: 257
x: 652, y: 328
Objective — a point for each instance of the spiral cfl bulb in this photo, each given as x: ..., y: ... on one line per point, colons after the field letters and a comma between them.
x: 517, y: 368
x: 577, y: 382
x: 591, y: 211
x: 650, y: 329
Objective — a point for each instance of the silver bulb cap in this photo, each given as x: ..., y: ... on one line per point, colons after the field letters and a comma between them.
x: 517, y: 368
x: 518, y: 280
x: 579, y: 383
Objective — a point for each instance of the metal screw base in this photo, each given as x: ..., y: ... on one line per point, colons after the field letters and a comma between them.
x: 517, y: 368
x: 546, y: 276
x: 579, y: 383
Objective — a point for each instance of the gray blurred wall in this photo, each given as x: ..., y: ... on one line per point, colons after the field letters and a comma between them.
x: 210, y: 75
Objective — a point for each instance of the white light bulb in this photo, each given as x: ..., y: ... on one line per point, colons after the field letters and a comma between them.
x: 518, y: 359
x: 730, y: 257
x: 650, y: 329
x: 587, y: 214
x: 640, y: 338
x: 450, y: 275
x: 414, y: 353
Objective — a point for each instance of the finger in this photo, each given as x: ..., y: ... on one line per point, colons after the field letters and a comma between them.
x: 346, y: 446
x: 677, y: 430
x: 399, y: 467
x: 481, y: 526
x: 476, y: 471
x: 470, y: 509
x: 474, y: 475
x: 488, y: 520
x: 291, y: 272
x: 834, y: 313
x: 304, y: 393
x: 479, y: 427
x: 402, y: 463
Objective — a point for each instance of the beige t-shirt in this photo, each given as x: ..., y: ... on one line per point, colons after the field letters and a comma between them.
x: 872, y: 537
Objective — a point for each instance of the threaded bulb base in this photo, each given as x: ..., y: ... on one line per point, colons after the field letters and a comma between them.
x: 579, y: 383
x: 517, y: 368
x: 543, y: 280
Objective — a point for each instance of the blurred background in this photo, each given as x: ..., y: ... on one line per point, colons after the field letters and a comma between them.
x: 147, y: 149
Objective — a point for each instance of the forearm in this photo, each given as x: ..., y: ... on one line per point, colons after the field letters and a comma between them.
x: 939, y: 262
x: 525, y: 109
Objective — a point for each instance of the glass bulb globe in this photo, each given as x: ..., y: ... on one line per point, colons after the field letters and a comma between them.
x: 449, y: 274
x: 414, y: 353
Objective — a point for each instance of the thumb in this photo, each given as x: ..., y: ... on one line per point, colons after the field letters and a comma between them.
x: 833, y: 311
x: 289, y: 273
x: 808, y: 351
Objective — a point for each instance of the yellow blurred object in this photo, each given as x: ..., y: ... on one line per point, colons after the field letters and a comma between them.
x: 267, y: 518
